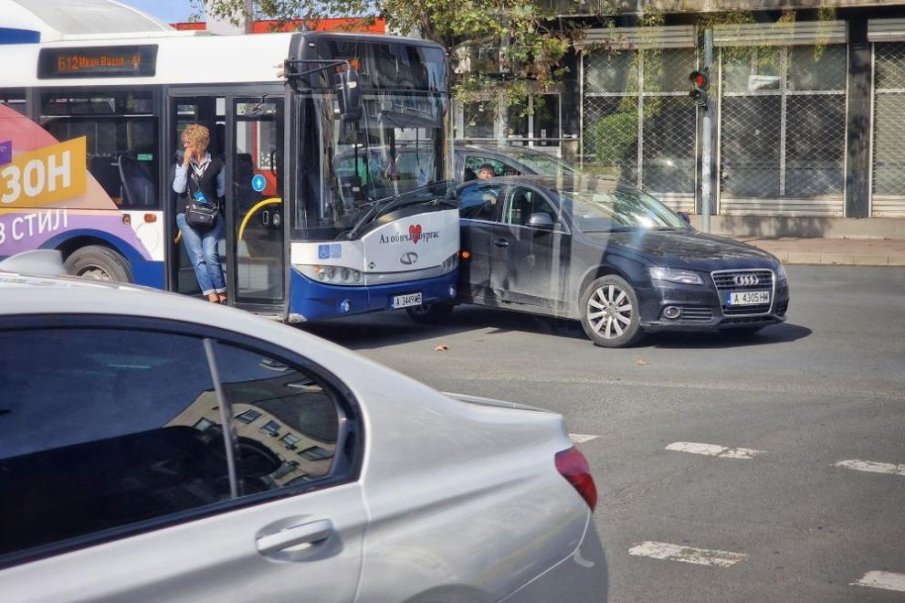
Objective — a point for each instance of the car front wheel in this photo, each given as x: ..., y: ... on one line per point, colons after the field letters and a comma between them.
x: 610, y: 312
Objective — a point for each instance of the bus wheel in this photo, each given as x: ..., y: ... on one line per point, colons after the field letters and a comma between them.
x: 100, y: 263
x: 431, y: 314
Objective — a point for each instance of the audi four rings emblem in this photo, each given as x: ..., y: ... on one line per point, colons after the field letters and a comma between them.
x: 409, y: 258
x: 746, y: 280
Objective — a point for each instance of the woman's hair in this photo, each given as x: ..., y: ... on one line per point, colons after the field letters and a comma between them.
x: 197, y: 135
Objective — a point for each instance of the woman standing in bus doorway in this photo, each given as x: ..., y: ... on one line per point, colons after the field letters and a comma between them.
x: 199, y: 172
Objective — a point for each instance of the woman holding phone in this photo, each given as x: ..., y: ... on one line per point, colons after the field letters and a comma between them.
x: 202, y: 177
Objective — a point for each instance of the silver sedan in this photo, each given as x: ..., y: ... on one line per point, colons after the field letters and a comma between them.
x: 157, y: 448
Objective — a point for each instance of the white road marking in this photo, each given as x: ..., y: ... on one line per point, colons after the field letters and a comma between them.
x: 872, y: 467
x: 713, y: 450
x: 686, y: 554
x: 581, y: 438
x: 884, y: 580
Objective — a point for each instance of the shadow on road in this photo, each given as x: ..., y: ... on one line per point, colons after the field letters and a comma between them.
x: 781, y: 333
x: 393, y: 328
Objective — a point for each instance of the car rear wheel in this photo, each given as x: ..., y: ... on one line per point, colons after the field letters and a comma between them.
x: 610, y: 312
x: 431, y: 314
x: 99, y: 263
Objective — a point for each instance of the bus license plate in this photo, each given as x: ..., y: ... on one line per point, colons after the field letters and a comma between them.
x: 409, y: 299
x: 748, y: 298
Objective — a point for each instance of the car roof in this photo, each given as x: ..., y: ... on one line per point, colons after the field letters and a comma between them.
x: 567, y: 182
x: 29, y: 295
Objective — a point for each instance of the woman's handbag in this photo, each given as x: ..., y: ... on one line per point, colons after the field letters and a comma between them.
x: 200, y: 213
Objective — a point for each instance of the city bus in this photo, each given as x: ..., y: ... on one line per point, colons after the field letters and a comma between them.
x: 336, y: 148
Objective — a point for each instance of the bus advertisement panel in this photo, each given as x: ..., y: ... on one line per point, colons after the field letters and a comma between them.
x: 48, y: 199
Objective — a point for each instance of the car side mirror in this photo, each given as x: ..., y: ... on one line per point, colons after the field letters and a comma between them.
x: 685, y: 217
x: 540, y: 220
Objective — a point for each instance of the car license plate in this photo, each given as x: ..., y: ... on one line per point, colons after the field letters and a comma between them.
x: 404, y: 301
x: 747, y: 298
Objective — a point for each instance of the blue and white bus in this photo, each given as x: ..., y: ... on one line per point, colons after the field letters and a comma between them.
x: 336, y: 149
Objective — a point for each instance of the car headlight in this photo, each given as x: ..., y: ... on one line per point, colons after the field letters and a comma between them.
x: 674, y: 275
x: 781, y: 274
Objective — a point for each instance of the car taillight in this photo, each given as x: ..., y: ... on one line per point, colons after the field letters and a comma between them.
x: 572, y: 465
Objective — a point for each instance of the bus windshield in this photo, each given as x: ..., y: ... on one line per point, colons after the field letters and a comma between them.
x: 396, y: 146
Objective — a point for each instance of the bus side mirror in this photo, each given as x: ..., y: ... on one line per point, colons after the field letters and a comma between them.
x: 348, y: 94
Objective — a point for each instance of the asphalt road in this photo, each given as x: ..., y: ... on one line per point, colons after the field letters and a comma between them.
x: 752, y: 450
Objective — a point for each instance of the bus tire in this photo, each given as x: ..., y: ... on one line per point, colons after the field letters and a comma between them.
x: 101, y: 263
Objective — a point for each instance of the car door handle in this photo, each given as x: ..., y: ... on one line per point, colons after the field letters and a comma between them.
x: 501, y: 243
x: 292, y: 538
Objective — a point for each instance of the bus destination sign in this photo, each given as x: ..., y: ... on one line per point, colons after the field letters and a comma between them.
x: 100, y: 61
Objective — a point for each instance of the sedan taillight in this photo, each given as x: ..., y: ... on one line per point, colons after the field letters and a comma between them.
x: 572, y: 465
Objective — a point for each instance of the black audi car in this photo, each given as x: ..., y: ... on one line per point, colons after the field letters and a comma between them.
x: 611, y: 256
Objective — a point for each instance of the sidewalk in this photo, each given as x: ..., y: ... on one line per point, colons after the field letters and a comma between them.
x: 851, y: 252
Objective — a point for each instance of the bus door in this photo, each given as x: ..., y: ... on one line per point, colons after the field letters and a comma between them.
x: 254, y: 197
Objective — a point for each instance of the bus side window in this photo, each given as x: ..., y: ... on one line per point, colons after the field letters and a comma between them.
x: 138, y: 185
x: 105, y: 169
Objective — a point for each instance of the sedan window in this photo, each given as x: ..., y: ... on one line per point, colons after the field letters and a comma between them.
x: 522, y: 202
x: 292, y: 411
x: 130, y: 429
x: 478, y: 202
x: 105, y: 436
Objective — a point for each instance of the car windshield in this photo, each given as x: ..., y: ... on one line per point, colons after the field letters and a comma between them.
x: 595, y: 209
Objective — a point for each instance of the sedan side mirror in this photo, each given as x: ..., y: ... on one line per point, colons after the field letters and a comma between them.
x: 540, y: 220
x: 685, y: 217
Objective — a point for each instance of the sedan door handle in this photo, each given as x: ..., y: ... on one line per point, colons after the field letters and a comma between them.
x: 501, y: 243
x: 280, y: 542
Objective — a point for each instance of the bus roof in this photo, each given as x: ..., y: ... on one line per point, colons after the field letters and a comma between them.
x: 168, y: 57
x: 179, y: 58
x: 48, y: 20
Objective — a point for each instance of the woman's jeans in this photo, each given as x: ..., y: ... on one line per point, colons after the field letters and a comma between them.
x: 201, y: 245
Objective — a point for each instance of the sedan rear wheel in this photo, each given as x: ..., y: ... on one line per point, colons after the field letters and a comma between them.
x: 610, y: 313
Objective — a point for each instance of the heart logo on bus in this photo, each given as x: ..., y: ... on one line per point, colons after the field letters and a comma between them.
x: 415, y: 232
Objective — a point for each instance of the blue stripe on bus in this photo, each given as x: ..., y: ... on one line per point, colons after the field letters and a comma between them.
x: 319, y: 301
x: 19, y: 36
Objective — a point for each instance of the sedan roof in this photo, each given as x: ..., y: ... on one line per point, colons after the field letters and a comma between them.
x: 566, y: 182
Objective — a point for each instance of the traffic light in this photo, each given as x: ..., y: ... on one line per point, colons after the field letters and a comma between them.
x: 700, y: 82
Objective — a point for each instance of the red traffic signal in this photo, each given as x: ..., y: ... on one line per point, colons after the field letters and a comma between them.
x: 700, y: 82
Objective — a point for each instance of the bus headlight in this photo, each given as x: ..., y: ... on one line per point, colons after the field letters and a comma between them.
x: 332, y: 275
x: 450, y: 263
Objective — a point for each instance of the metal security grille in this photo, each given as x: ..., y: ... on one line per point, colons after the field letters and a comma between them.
x: 782, y: 130
x: 638, y: 123
x: 889, y: 130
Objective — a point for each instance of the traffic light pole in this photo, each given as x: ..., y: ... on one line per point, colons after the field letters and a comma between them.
x: 707, y: 140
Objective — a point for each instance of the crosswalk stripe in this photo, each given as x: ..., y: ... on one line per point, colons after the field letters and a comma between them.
x: 686, y: 554
x: 884, y: 580
x: 714, y: 450
x: 872, y: 467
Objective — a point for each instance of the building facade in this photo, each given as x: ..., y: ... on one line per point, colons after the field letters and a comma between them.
x: 806, y: 116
